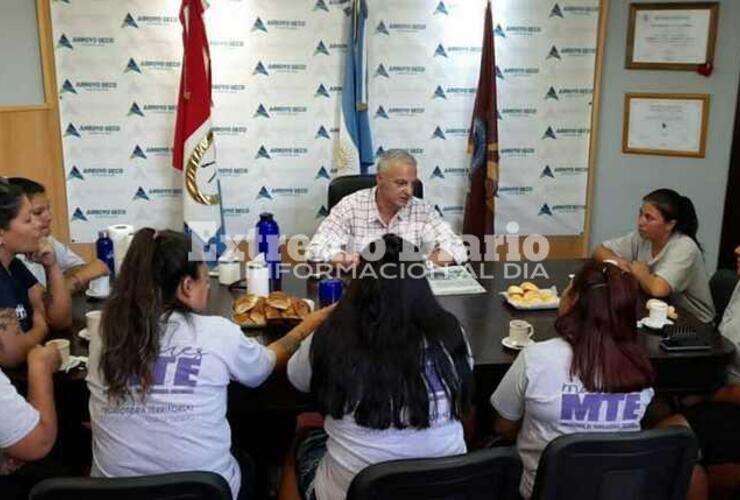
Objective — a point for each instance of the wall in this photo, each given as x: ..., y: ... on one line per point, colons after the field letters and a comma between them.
x: 621, y: 180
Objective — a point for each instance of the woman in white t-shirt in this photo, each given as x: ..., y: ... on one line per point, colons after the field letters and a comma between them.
x: 158, y: 373
x: 664, y: 255
x: 594, y: 378
x: 391, y: 371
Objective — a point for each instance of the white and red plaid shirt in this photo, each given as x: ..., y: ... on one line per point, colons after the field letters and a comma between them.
x: 355, y: 222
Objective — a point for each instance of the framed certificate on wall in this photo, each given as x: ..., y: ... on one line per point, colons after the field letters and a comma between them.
x: 672, y: 36
x: 665, y: 124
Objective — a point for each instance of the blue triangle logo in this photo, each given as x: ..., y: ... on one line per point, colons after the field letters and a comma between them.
x: 132, y: 66
x: 75, y: 174
x: 264, y: 194
x: 499, y: 73
x: 498, y: 115
x: 439, y: 210
x: 440, y: 51
x: 78, y: 214
x: 382, y: 28
x: 323, y: 212
x: 259, y: 25
x: 379, y: 151
x: 135, y: 110
x: 321, y: 49
x: 260, y: 69
x: 437, y: 173
x: 129, y: 21
x: 439, y: 134
x: 554, y: 53
x: 321, y: 5
x: 552, y: 94
x: 545, y: 210
x: 547, y: 172
x: 381, y: 71
x: 555, y: 11
x: 67, y: 88
x: 261, y: 112
x: 321, y: 91
x: 323, y: 174
x: 441, y: 9
x: 439, y: 93
x: 64, y: 42
x: 549, y: 134
x: 141, y: 194
x: 380, y: 113
x: 137, y: 153
x: 499, y: 31
x: 322, y: 133
x: 71, y: 130
x: 262, y: 153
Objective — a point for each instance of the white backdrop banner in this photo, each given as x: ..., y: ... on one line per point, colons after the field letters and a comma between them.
x: 277, y: 79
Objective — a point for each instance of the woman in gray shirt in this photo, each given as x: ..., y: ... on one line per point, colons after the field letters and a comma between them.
x: 664, y: 255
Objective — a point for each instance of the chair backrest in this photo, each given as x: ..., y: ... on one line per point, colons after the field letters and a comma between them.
x: 339, y: 187
x: 722, y: 285
x: 173, y: 486
x: 492, y: 473
x: 644, y: 465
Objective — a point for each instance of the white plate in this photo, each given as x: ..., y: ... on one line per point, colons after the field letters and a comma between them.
x: 507, y: 342
x: 83, y: 334
x: 94, y: 295
x: 654, y: 326
x: 548, y: 305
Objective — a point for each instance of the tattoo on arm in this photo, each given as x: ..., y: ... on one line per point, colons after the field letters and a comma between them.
x: 8, y: 322
x: 289, y: 343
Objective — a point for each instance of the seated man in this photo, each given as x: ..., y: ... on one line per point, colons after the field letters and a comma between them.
x: 390, y: 207
x: 77, y: 273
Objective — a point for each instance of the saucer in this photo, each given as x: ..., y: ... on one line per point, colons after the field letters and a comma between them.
x: 83, y: 334
x: 507, y: 342
x: 94, y: 295
x: 654, y: 326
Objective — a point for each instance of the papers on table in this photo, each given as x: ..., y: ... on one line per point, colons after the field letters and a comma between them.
x: 453, y: 280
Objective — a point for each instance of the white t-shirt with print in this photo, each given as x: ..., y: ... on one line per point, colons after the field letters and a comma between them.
x: 538, y: 388
x: 351, y: 447
x: 17, y: 417
x: 182, y: 424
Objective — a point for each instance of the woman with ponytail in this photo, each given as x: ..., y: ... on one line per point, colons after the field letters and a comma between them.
x: 664, y: 255
x: 595, y: 377
x: 390, y: 369
x: 159, y: 370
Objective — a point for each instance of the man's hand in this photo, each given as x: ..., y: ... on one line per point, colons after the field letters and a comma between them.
x: 441, y: 258
x: 46, y: 359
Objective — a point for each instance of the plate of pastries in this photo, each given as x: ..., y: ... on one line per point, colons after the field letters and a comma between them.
x: 527, y: 295
x: 278, y: 308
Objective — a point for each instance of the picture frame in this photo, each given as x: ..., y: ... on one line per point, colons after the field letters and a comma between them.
x: 665, y: 124
x: 671, y: 36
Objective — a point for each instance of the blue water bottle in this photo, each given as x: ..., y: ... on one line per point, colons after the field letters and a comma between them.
x: 104, y: 250
x: 268, y: 242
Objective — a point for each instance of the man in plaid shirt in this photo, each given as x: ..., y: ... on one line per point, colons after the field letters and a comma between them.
x: 390, y: 207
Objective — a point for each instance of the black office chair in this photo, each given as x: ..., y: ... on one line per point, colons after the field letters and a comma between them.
x: 722, y: 284
x: 644, y: 465
x: 491, y: 474
x: 339, y: 187
x: 173, y: 486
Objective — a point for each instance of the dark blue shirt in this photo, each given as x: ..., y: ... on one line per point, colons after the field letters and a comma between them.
x: 15, y: 281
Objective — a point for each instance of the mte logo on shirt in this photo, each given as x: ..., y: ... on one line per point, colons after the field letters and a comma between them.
x: 603, y: 411
x: 20, y: 312
x: 176, y: 370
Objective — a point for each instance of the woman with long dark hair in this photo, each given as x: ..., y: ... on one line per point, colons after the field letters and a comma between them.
x: 391, y: 371
x: 158, y: 373
x: 663, y: 254
x: 594, y: 377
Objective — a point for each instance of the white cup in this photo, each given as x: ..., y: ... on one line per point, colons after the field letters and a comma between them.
x: 258, y: 279
x: 100, y: 286
x: 520, y: 331
x: 92, y: 319
x: 62, y: 346
x: 229, y: 272
x: 658, y: 312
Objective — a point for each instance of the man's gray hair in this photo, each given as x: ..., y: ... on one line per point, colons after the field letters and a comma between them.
x: 395, y: 155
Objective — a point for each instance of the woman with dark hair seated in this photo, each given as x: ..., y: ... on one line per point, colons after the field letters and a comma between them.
x: 594, y: 378
x: 664, y: 255
x: 391, y: 370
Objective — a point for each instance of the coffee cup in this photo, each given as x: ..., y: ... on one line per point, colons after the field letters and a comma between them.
x: 520, y: 331
x: 62, y: 346
x: 658, y: 312
x: 100, y: 286
x: 229, y: 272
x: 92, y: 319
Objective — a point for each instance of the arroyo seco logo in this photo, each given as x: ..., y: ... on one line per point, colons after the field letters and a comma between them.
x: 145, y: 153
x: 281, y: 192
x: 553, y: 210
x: 132, y: 65
x: 280, y: 151
x: 381, y: 71
x: 278, y: 67
x: 412, y: 150
x: 260, y: 69
x: 321, y: 212
x: 517, y: 113
x: 324, y: 133
x: 564, y: 171
x: 67, y: 88
x: 136, y: 22
x: 232, y: 171
x: 97, y: 213
x: 324, y: 173
x: 64, y: 43
x: 321, y: 5
x: 514, y: 190
x: 379, y: 151
x: 399, y: 111
x: 322, y: 91
x: 440, y: 133
x: 499, y: 31
x: 387, y: 29
x: 226, y: 43
x: 556, y: 11
x: 88, y: 86
x: 381, y: 113
x: 441, y: 9
x: 81, y: 173
x: 137, y: 152
x: 91, y: 129
x: 520, y: 30
x: 129, y: 21
x: 75, y: 174
x: 232, y: 212
x: 321, y: 49
x: 440, y: 173
x: 263, y: 26
x: 233, y: 130
x: 228, y: 88
x: 151, y: 108
x: 264, y: 194
x: 140, y: 194
x: 84, y: 41
x: 452, y: 92
x: 154, y: 65
x: 455, y: 50
x: 135, y: 109
x: 156, y: 194
x: 547, y: 172
x: 518, y: 72
x: 78, y: 215
x: 282, y: 110
x: 499, y: 73
x: 551, y: 133
x: 575, y: 10
x: 517, y: 152
x: 569, y: 93
x: 570, y: 52
x: 402, y: 70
